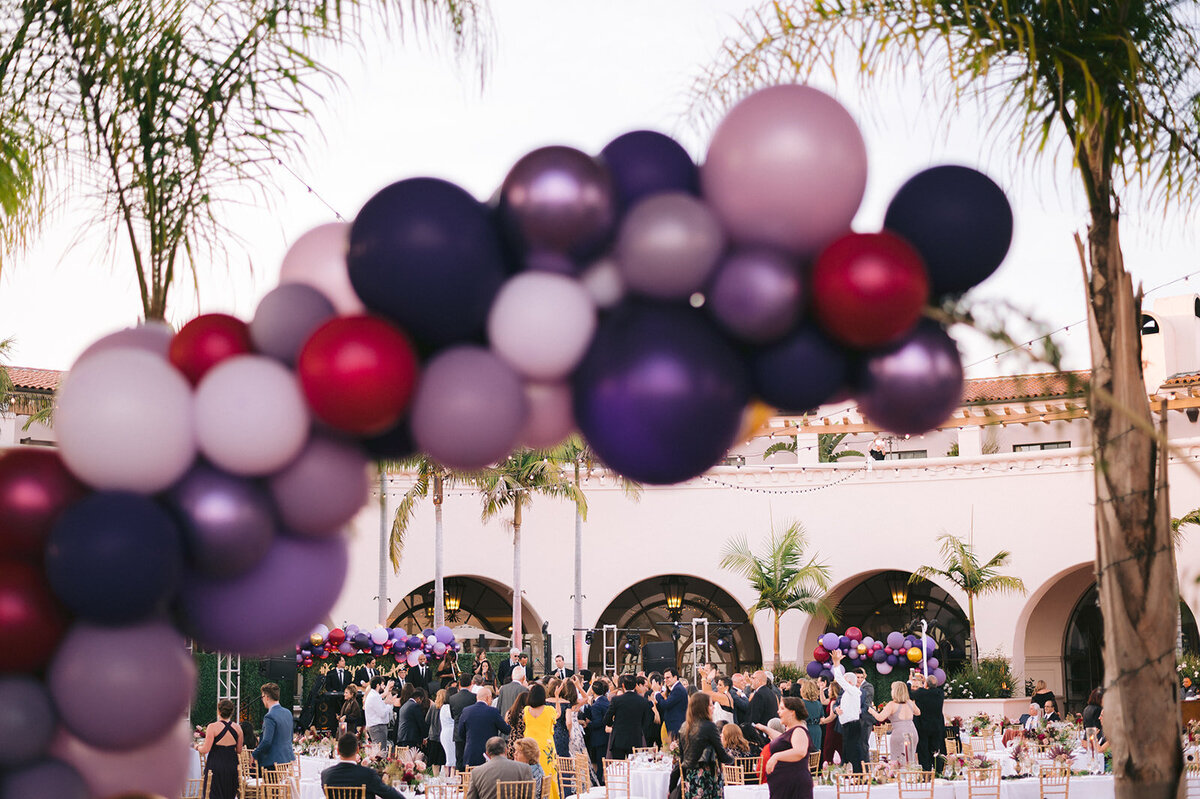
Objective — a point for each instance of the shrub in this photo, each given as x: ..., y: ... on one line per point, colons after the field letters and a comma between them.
x: 786, y: 672
x: 992, y: 679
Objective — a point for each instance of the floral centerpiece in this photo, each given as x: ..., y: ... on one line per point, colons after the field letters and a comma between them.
x: 1062, y: 733
x: 198, y: 735
x: 982, y: 724
x: 1059, y: 754
x: 314, y: 743
x: 957, y: 765
x: 400, y: 767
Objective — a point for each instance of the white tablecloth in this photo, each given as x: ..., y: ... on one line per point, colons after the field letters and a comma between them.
x: 649, y: 783
x: 1093, y: 787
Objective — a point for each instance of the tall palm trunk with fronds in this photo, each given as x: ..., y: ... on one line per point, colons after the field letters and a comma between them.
x: 577, y: 616
x: 516, y: 580
x: 439, y: 562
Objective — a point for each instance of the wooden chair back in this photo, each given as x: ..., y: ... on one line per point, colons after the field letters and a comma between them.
x: 814, y: 762
x: 616, y: 778
x: 515, y: 789
x: 440, y: 791
x: 1054, y: 781
x: 856, y: 786
x: 357, y: 792
x: 914, y: 784
x: 749, y: 767
x: 732, y: 775
x: 644, y: 750
x: 568, y: 776
x: 464, y: 780
x: 197, y: 788
x: 953, y: 746
x: 983, y: 783
x: 1191, y: 776
x: 978, y: 744
x: 278, y: 790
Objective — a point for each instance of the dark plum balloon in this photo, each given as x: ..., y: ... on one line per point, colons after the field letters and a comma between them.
x: 27, y: 721
x: 424, y: 253
x: 35, y: 487
x: 756, y: 295
x: 30, y: 615
x: 645, y: 162
x: 286, y: 317
x: 660, y: 394
x: 800, y: 372
x: 115, y: 557
x: 46, y: 779
x: 960, y: 222
x: 558, y: 201
x: 392, y: 444
x: 914, y: 387
x: 228, y: 522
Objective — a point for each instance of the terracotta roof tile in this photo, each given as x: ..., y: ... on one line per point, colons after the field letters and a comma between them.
x: 1184, y: 379
x: 33, y: 379
x: 1024, y: 387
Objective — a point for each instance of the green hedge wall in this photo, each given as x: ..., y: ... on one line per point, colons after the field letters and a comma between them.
x: 204, y: 706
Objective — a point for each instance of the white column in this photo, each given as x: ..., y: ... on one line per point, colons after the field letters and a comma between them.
x: 970, y: 441
x: 806, y: 448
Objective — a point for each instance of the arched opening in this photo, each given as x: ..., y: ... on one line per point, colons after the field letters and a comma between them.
x: 660, y: 610
x: 882, y: 601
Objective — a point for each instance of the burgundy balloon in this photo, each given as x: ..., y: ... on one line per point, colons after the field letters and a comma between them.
x: 757, y: 295
x: 26, y: 721
x: 323, y: 488
x: 228, y: 522
x: 558, y: 200
x: 269, y: 608
x: 914, y: 387
x: 46, y: 779
x: 31, y: 622
x: 35, y: 487
x: 158, y: 769
x: 92, y: 694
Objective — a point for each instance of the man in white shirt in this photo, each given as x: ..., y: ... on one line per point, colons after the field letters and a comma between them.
x: 849, y: 709
x: 378, y: 711
x: 1033, y: 719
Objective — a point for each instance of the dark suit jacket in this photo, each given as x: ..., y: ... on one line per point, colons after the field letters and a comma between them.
x: 352, y: 775
x: 504, y: 673
x: 459, y: 702
x: 478, y: 723
x: 563, y: 674
x: 597, y: 738
x: 741, y: 707
x: 334, y: 685
x: 929, y: 700
x: 672, y: 707
x: 361, y: 675
x: 418, y: 680
x: 865, y: 701
x: 498, y: 769
x: 628, y: 715
x: 413, y: 731
x: 764, y: 706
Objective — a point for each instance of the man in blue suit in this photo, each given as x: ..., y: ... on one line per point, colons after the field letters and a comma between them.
x: 672, y: 705
x: 276, y: 744
x: 477, y: 723
x: 597, y: 735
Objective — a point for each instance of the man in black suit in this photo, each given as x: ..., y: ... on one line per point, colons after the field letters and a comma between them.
x: 931, y: 725
x: 413, y: 730
x: 347, y: 773
x: 597, y: 734
x: 672, y: 702
x: 339, y: 678
x: 561, y: 672
x: 418, y: 675
x: 627, y: 717
x: 478, y: 723
x: 464, y: 698
x: 504, y: 672
x: 866, y: 720
x: 367, y: 673
x: 764, y: 705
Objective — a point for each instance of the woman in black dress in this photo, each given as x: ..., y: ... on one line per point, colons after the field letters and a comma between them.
x: 1042, y: 695
x: 700, y: 752
x: 788, y: 776
x: 222, y: 742
x: 1091, y: 713
x: 352, y: 713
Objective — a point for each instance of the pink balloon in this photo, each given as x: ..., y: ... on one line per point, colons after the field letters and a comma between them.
x: 159, y: 769
x: 551, y: 418
x: 318, y: 259
x: 787, y: 167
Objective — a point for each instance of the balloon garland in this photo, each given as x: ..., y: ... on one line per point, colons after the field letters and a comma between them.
x: 894, y: 649
x: 204, y: 477
x: 379, y: 641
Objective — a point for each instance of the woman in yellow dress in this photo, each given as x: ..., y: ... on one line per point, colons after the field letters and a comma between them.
x: 539, y: 725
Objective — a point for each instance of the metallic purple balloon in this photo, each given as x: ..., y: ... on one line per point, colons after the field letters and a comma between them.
x: 47, y: 779
x: 273, y: 605
x: 645, y: 162
x: 323, y: 488
x: 92, y: 694
x: 26, y: 721
x: 757, y: 295
x: 558, y: 200
x: 228, y: 522
x: 668, y: 246
x: 286, y: 317
x: 660, y: 394
x: 915, y: 386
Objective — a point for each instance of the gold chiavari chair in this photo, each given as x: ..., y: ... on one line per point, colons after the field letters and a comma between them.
x: 1054, y: 781
x: 197, y: 788
x: 442, y: 791
x: 464, y: 779
x: 644, y: 750
x: 1191, y: 776
x: 749, y: 769
x: 282, y: 777
x: 357, y: 792
x: 814, y: 762
x: 548, y: 789
x: 732, y: 775
x: 278, y: 790
x: 983, y: 783
x: 515, y: 789
x: 881, y: 732
x: 977, y: 745
x: 250, y: 780
x: 953, y: 746
x: 854, y: 786
x: 914, y: 784
x: 568, y: 776
x: 616, y: 778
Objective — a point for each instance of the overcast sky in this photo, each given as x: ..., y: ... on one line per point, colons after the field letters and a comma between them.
x: 576, y: 73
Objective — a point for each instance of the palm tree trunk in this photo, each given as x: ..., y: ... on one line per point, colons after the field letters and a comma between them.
x: 775, y: 618
x: 383, y: 547
x: 1135, y: 559
x: 578, y: 615
x: 439, y: 582
x: 974, y: 642
x: 516, y: 612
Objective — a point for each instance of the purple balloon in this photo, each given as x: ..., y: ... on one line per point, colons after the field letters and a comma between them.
x: 414, y: 642
x: 660, y: 394
x: 292, y: 589
x: 895, y: 640
x: 843, y: 642
x: 228, y: 522
x: 756, y: 295
x: 644, y: 162
x: 669, y: 246
x: 346, y: 648
x: 813, y: 669
x: 444, y: 634
x: 286, y: 317
x: 930, y: 645
x: 879, y: 656
x: 322, y: 489
x: 158, y: 769
x: 830, y: 641
x: 27, y: 720
x: 941, y: 676
x: 803, y: 371
x: 93, y: 693
x: 558, y: 201
x: 154, y: 337
x: 933, y: 663
x: 827, y: 674
x: 891, y: 660
x: 915, y: 386
x: 362, y: 641
x: 47, y: 779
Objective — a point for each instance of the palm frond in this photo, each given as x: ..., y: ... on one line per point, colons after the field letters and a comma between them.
x: 780, y: 446
x: 1002, y: 584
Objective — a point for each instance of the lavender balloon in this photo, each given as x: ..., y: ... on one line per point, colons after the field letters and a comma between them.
x: 756, y: 295
x: 153, y: 337
x: 558, y: 200
x: 26, y: 721
x: 668, y: 246
x: 915, y: 386
x: 550, y: 417
x: 228, y: 522
x: 47, y: 779
x: 322, y: 489
x: 158, y: 769
x: 286, y: 317
x: 270, y: 607
x: 830, y: 641
x: 644, y: 162
x: 92, y: 693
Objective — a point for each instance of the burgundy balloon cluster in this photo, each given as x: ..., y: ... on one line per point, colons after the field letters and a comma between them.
x: 379, y: 641
x: 893, y: 650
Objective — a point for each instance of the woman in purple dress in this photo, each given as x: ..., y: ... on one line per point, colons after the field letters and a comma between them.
x: 788, y: 776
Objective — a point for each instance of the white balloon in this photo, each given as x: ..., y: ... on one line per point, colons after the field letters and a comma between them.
x: 152, y: 337
x: 551, y: 415
x: 604, y: 282
x: 251, y: 418
x: 124, y: 421
x: 318, y: 259
x: 541, y: 324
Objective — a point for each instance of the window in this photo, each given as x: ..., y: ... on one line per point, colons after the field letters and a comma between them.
x: 733, y: 460
x: 906, y: 455
x: 1149, y: 325
x: 1043, y: 445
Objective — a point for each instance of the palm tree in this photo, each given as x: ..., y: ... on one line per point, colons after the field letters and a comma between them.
x: 168, y: 109
x: 962, y: 568
x: 510, y: 486
x: 779, y: 577
x: 1177, y: 525
x: 1116, y: 83
x: 6, y: 384
x: 827, y: 444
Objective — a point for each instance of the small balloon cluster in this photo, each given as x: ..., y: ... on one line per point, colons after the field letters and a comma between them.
x: 895, y: 649
x: 380, y: 641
